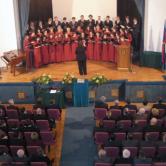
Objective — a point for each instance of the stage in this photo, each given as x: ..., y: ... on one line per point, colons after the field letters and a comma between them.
x: 57, y: 71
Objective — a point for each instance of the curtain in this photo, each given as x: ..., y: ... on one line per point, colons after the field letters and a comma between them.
x: 23, y: 6
x: 141, y: 9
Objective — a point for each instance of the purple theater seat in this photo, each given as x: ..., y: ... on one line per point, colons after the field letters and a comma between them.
x: 13, y: 149
x: 100, y: 113
x: 149, y: 151
x: 123, y: 164
x: 101, y: 137
x: 43, y: 125
x: 13, y: 122
x: 102, y: 164
x: 47, y: 138
x: 153, y: 135
x: 12, y: 114
x: 137, y: 135
x: 38, y: 164
x: 125, y: 123
x: 33, y: 149
x: 115, y: 113
x: 18, y: 164
x: 143, y: 164
x: 112, y: 152
x: 142, y: 123
x: 161, y: 150
x: 4, y: 148
x: 54, y: 114
x: 159, y: 164
x: 132, y: 112
x: 120, y: 136
x: 109, y: 123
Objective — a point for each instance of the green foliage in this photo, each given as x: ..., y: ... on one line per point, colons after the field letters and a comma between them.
x: 68, y: 78
x: 99, y: 79
x: 43, y: 79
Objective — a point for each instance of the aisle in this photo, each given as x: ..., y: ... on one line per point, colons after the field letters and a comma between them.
x: 78, y: 145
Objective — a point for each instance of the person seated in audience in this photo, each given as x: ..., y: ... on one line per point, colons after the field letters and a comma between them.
x: 40, y: 157
x: 29, y: 126
x: 3, y: 125
x: 17, y: 139
x: 141, y: 114
x: 25, y: 114
x: 130, y: 106
x: 142, y: 159
x: 130, y: 142
x: 102, y: 155
x: 3, y: 108
x: 21, y: 157
x: 125, y: 158
x: 34, y: 136
x: 126, y: 115
x: 154, y: 113
x: 145, y: 105
x: 152, y: 127
x: 159, y: 105
x: 39, y: 114
x: 101, y: 103
x: 5, y: 157
x: 116, y: 105
x: 113, y: 142
x: 12, y: 105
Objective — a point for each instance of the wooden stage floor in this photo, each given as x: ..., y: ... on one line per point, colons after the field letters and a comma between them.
x: 58, y: 70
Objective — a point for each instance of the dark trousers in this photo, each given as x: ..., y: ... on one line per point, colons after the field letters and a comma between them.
x: 82, y: 67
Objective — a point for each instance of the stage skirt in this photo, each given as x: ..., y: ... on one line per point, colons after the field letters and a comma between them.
x: 52, y: 53
x: 45, y: 54
x: 59, y: 53
x: 73, y: 50
x: 90, y: 51
x: 104, y: 55
x: 111, y: 52
x: 67, y: 52
x: 97, y: 51
x: 37, y: 57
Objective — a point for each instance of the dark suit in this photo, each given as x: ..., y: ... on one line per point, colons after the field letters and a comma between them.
x: 130, y: 107
x: 81, y: 59
x: 101, y: 104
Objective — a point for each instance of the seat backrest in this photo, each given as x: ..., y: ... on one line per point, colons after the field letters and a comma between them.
x: 115, y: 113
x: 149, y: 152
x: 14, y: 149
x: 133, y: 151
x: 109, y: 123
x: 38, y: 164
x: 12, y: 114
x: 120, y: 136
x: 100, y: 113
x: 43, y: 125
x: 54, y: 114
x: 126, y: 124
x: 101, y: 137
x: 102, y: 164
x: 112, y: 152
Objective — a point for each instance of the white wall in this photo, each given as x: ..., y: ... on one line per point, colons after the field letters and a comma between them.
x: 75, y: 8
x: 155, y: 15
x: 8, y: 39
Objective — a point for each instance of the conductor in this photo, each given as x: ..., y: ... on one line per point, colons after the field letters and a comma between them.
x: 81, y: 58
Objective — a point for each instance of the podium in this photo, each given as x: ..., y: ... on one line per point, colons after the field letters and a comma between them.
x: 81, y: 94
x: 124, y: 57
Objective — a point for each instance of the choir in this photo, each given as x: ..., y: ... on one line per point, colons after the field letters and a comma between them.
x: 56, y: 41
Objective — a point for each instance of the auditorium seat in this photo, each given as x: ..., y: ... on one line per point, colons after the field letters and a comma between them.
x: 149, y: 152
x: 112, y: 152
x: 102, y: 164
x: 101, y: 137
x: 54, y: 114
x: 100, y: 113
x: 43, y: 125
x: 38, y: 164
x: 133, y: 151
x: 120, y: 136
x: 109, y: 123
x: 115, y: 113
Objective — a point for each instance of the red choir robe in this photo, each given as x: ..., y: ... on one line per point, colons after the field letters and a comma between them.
x: 26, y: 44
x: 104, y: 54
x: 52, y: 52
x: 90, y: 48
x: 37, y: 55
x: 67, y: 49
x: 45, y: 53
x: 59, y: 48
x: 111, y: 51
x: 97, y: 48
x: 74, y: 45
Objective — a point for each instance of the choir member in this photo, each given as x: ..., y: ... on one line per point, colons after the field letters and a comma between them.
x: 60, y: 42
x: 41, y: 26
x: 64, y: 24
x: 52, y: 51
x: 67, y: 47
x: 74, y: 45
x: 56, y: 23
x: 73, y: 24
x: 108, y: 23
x: 37, y: 53
x: 90, y: 46
x: 90, y: 22
x: 111, y: 48
x: 127, y: 23
x: 45, y: 51
x: 82, y: 22
x: 79, y: 31
x: 49, y: 23
x: 99, y: 22
x: 97, y: 47
x: 118, y: 23
x: 104, y: 55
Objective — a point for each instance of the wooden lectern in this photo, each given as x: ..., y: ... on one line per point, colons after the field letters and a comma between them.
x: 124, y: 57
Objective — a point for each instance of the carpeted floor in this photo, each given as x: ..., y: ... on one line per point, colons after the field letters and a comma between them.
x: 78, y: 145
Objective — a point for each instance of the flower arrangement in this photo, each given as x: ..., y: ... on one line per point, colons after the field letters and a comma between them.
x: 99, y: 79
x: 44, y: 79
x: 68, y: 78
